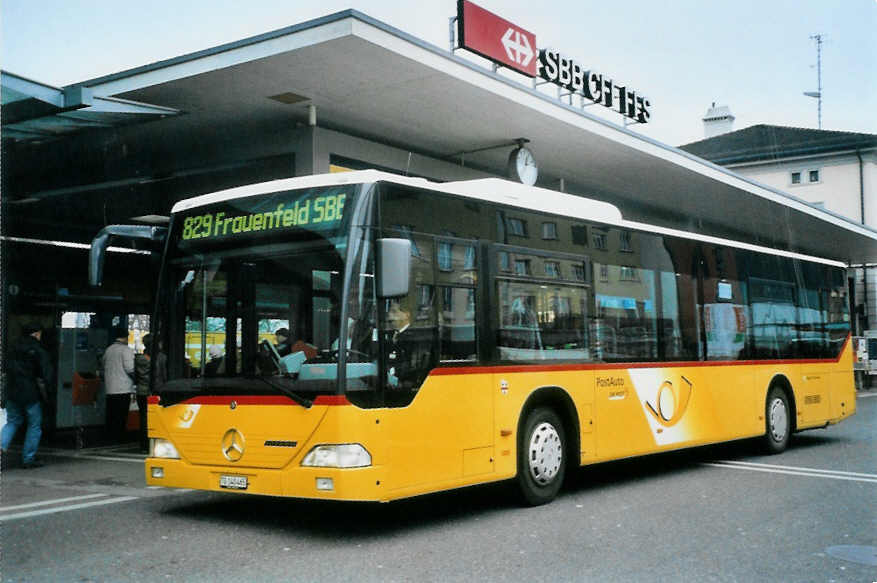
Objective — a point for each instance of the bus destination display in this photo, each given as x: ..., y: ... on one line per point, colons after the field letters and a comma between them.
x: 310, y: 212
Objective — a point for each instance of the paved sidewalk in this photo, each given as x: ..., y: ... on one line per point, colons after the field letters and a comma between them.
x: 73, y: 478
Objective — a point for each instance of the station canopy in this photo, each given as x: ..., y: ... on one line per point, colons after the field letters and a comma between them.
x: 372, y: 81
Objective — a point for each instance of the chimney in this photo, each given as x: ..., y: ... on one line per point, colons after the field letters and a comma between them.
x: 717, y: 121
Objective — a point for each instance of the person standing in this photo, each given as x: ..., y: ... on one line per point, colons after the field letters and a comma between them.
x: 29, y: 371
x: 119, y: 380
x: 142, y: 364
x: 283, y: 345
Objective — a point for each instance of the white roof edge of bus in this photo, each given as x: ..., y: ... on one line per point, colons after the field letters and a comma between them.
x: 534, y: 198
x: 727, y: 242
x: 311, y: 181
x: 495, y: 190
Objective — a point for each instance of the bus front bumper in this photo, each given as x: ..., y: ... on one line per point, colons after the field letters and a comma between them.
x: 363, y: 484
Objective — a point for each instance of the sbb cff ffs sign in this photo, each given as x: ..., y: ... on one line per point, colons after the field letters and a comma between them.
x: 507, y: 44
x: 561, y: 70
x: 495, y: 38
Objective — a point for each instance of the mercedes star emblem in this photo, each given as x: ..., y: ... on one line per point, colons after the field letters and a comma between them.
x: 233, y: 444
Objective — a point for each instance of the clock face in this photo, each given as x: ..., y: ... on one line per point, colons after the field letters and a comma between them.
x: 522, y: 166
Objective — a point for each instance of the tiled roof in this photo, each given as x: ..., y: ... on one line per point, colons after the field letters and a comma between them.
x: 769, y: 142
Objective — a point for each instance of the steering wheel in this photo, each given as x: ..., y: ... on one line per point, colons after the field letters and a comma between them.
x: 272, y: 354
x: 336, y: 353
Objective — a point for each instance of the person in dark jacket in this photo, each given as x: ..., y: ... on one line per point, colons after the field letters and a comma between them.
x: 28, y: 372
x: 142, y: 365
x: 410, y: 355
x: 284, y: 346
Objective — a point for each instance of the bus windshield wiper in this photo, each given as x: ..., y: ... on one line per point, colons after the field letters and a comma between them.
x: 306, y: 403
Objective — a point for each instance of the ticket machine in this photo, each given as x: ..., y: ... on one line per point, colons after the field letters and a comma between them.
x: 80, y: 396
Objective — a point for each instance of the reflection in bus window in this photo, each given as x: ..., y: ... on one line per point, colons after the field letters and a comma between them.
x: 457, y: 334
x: 542, y: 322
x: 725, y: 310
x: 233, y: 309
x: 627, y: 314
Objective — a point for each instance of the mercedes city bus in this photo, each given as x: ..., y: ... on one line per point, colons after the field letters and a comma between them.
x: 448, y: 334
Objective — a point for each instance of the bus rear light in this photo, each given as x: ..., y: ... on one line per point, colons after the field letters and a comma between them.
x: 346, y: 455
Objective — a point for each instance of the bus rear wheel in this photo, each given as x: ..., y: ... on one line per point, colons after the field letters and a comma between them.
x: 777, y: 421
x: 541, y: 457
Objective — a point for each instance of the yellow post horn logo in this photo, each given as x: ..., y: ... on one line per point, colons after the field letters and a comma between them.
x: 671, y: 402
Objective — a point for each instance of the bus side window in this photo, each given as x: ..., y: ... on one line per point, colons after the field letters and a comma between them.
x: 725, y: 305
x: 772, y: 299
x: 543, y: 301
x: 410, y: 332
x: 457, y: 323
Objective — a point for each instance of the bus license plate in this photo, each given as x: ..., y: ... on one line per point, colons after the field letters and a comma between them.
x: 233, y: 482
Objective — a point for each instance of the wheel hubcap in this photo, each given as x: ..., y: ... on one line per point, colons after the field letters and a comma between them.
x: 545, y: 453
x: 779, y: 420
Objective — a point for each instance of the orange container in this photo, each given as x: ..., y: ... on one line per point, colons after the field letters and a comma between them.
x: 85, y: 388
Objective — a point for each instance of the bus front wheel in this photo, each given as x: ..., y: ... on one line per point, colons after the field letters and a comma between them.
x: 778, y: 421
x: 541, y: 457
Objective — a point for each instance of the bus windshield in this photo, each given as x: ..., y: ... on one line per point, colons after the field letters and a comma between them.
x: 252, y: 298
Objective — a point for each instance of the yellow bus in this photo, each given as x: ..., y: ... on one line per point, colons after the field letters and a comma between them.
x: 472, y: 332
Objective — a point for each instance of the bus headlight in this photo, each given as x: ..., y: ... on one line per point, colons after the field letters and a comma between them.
x: 345, y: 455
x: 163, y: 448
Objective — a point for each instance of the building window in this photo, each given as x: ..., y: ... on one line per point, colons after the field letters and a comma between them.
x: 579, y: 235
x: 578, y: 272
x: 424, y: 302
x: 604, y: 272
x: 469, y: 258
x: 552, y: 269
x: 600, y: 240
x: 518, y: 227
x: 625, y: 242
x: 811, y: 175
x: 522, y: 267
x: 504, y: 263
x: 628, y: 274
x: 549, y: 231
x: 445, y: 256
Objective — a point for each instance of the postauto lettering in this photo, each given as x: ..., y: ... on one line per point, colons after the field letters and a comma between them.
x: 319, y: 211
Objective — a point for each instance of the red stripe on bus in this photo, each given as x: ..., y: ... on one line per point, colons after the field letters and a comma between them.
x: 626, y: 365
x: 331, y: 400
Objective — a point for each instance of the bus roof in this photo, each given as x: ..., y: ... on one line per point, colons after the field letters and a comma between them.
x: 495, y: 190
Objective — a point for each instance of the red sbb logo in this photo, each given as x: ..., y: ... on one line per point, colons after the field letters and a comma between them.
x: 517, y: 47
x: 495, y: 38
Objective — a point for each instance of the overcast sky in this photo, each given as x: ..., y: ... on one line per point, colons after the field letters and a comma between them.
x: 755, y: 56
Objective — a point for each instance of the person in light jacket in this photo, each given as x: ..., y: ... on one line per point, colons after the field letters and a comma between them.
x: 119, y: 381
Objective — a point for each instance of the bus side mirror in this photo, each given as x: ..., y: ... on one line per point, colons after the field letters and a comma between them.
x: 98, y: 251
x: 394, y: 263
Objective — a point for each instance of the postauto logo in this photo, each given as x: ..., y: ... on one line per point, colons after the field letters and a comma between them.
x: 670, y: 402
